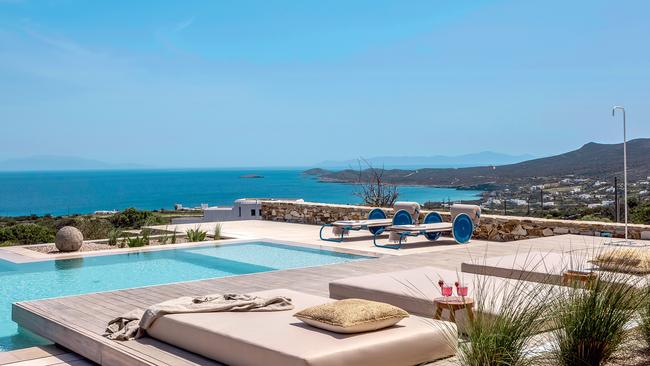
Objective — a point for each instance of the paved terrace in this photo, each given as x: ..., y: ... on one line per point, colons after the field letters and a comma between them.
x: 77, y: 322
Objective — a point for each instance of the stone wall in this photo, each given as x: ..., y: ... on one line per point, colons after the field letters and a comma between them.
x: 492, y: 227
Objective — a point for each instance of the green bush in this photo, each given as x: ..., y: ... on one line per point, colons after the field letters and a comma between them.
x: 6, y: 235
x: 196, y: 234
x: 114, y: 236
x: 135, y: 242
x: 592, y: 217
x: 640, y: 214
x: 93, y: 228
x: 27, y: 234
x: 132, y: 218
x: 145, y: 236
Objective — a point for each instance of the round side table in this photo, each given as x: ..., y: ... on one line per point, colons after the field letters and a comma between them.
x: 453, y: 304
x: 579, y: 278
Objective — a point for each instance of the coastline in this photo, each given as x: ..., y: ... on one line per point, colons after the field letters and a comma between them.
x: 84, y: 192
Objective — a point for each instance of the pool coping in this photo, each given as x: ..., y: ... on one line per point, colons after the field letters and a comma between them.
x: 17, y: 257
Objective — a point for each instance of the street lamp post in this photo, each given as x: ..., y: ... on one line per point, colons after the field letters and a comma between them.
x: 626, y: 242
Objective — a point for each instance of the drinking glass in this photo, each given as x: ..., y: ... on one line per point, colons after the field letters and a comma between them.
x: 461, y: 290
x: 447, y: 291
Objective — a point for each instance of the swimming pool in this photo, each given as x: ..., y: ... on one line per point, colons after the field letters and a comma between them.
x: 54, y: 278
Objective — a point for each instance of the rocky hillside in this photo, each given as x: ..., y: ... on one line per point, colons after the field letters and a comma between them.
x: 593, y: 160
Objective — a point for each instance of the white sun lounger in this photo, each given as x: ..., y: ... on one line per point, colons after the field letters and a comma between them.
x: 376, y: 222
x: 464, y: 220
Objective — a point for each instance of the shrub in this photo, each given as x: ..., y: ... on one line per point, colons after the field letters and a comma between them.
x: 132, y: 218
x: 93, y: 228
x: 593, y: 217
x: 135, y: 242
x: 373, y: 189
x: 640, y: 214
x: 195, y: 234
x: 590, y: 323
x: 6, y: 235
x: 145, y: 236
x: 114, y: 236
x: 173, y: 237
x: 217, y: 231
x: 27, y: 234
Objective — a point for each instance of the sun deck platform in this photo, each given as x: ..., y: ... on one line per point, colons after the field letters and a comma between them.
x: 77, y: 322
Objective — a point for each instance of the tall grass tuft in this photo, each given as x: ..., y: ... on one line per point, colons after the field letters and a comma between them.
x: 173, y: 238
x: 145, y: 236
x: 644, y: 311
x: 507, y: 315
x: 196, y: 234
x: 217, y: 231
x: 114, y: 237
x: 591, y: 322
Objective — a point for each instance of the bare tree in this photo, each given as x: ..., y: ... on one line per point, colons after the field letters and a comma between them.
x: 373, y: 189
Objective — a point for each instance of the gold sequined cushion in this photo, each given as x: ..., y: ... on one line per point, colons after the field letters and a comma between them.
x: 627, y: 260
x: 352, y: 316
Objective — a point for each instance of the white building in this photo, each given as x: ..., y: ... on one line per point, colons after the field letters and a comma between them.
x: 242, y: 209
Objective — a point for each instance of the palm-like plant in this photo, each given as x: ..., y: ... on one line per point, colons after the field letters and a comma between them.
x: 196, y: 234
x: 114, y: 236
x: 135, y: 242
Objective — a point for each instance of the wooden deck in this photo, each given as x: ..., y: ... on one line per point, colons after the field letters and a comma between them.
x: 42, y: 356
x: 77, y: 322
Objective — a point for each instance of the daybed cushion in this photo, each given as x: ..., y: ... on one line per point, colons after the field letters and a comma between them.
x: 277, y: 338
x: 473, y: 211
x: 352, y: 316
x: 531, y: 266
x: 414, y: 290
x: 627, y: 260
x: 413, y: 208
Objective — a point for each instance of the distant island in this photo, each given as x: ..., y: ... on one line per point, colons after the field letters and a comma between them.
x: 251, y: 176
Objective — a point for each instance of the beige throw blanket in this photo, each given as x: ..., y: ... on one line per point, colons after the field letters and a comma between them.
x: 134, y: 324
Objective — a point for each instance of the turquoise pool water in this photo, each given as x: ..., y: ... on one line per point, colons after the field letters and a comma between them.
x: 31, y: 281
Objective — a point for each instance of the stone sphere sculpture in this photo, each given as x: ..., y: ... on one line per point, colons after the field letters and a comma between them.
x: 68, y: 239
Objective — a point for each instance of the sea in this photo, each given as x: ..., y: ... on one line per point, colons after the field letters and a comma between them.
x: 82, y: 192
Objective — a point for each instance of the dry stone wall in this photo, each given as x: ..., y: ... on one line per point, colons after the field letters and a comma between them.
x: 492, y: 227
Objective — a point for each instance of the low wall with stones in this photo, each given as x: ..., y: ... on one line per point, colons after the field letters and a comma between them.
x: 492, y: 227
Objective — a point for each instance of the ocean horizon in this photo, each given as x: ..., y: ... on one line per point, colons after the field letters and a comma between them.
x: 83, y: 192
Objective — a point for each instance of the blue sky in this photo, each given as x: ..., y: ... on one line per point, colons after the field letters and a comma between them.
x: 279, y: 83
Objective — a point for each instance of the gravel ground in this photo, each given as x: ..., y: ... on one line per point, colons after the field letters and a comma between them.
x: 91, y: 247
x: 51, y: 248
